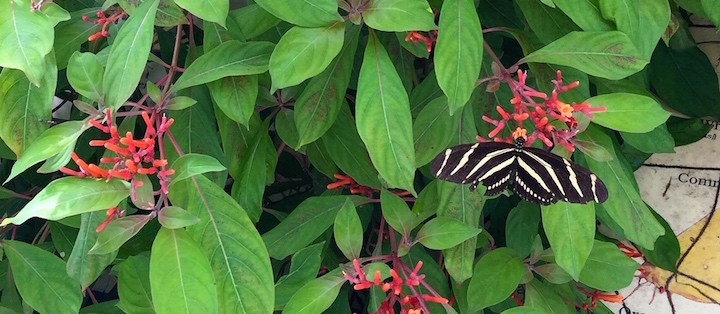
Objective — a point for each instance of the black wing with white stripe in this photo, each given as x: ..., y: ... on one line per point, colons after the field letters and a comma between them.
x: 534, y: 174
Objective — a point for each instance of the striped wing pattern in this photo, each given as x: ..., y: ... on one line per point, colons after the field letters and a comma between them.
x: 536, y: 175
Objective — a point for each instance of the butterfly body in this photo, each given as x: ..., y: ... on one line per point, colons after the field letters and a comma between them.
x: 536, y: 175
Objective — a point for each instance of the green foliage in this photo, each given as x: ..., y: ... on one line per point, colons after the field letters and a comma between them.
x: 280, y: 144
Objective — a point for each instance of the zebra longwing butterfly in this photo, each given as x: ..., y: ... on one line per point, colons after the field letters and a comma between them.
x: 536, y: 175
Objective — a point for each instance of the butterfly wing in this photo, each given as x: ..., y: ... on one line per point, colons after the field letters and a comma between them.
x: 566, y: 180
x: 474, y: 163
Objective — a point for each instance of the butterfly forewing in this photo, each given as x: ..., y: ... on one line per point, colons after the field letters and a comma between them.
x: 536, y: 175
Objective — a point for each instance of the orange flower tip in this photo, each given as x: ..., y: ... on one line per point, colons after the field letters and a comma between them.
x: 146, y: 117
x: 97, y: 143
x: 378, y: 277
x: 168, y: 172
x: 431, y: 298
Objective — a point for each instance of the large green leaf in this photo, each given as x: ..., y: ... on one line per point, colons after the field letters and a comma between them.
x: 383, y: 117
x: 628, y: 112
x: 432, y: 130
x: 83, y: 267
x: 346, y: 149
x: 610, y: 55
x: 399, y: 15
x: 249, y: 184
x: 84, y: 72
x: 239, y: 259
x: 134, y: 285
x: 458, y: 52
x: 190, y: 165
x: 521, y: 227
x: 607, y: 268
x: 570, y: 229
x: 128, y: 55
x: 24, y: 107
x: 317, y: 13
x: 304, y: 267
x: 236, y: 96
x: 305, y: 223
x: 180, y: 275
x: 60, y: 199
x: 348, y: 231
x: 495, y: 277
x: 209, y: 10
x: 302, y: 53
x: 548, y: 24
x: 541, y: 296
x: 71, y: 34
x: 644, y: 22
x: 32, y: 268
x: 443, y: 233
x: 119, y: 231
x: 316, y: 296
x: 26, y: 38
x: 659, y: 140
x: 53, y: 141
x: 317, y: 107
x: 231, y: 58
x: 585, y: 14
x: 396, y: 212
x: 253, y: 20
x: 458, y: 202
x: 625, y: 206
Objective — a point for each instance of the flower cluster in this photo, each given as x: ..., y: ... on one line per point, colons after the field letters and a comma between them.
x: 410, y: 304
x: 104, y: 21
x: 541, y: 114
x: 132, y: 157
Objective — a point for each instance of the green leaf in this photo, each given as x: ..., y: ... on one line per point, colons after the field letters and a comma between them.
x: 687, y: 131
x: 231, y: 58
x: 399, y: 15
x: 317, y: 13
x: 128, y: 55
x: 547, y: 24
x: 585, y: 14
x: 253, y: 20
x: 209, y: 10
x: 611, y: 55
x: 286, y: 129
x: 659, y: 140
x: 396, y: 212
x: 458, y: 51
x: 26, y: 38
x: 304, y: 267
x: 60, y: 199
x: 521, y: 227
x: 50, y: 143
x: 179, y: 102
x: 236, y: 96
x: 432, y: 130
x: 541, y: 296
x: 71, y: 34
x: 24, y: 107
x: 644, y: 22
x: 302, y: 53
x: 119, y: 231
x: 673, y: 73
x: 666, y: 252
x: 628, y: 112
x: 625, y: 206
x: 317, y: 107
x: 305, y: 223
x: 33, y: 267
x: 190, y: 165
x: 317, y: 295
x: 85, y: 74
x: 81, y: 266
x: 607, y: 268
x: 553, y: 273
x: 711, y: 9
x: 348, y: 231
x: 443, y: 233
x: 173, y: 217
x: 457, y: 202
x: 383, y: 117
x: 249, y: 184
x: 570, y: 229
x: 347, y: 150
x: 134, y: 284
x: 496, y: 276
x: 180, y: 275
x: 238, y: 257
x: 168, y: 13
x: 320, y: 158
x: 143, y: 196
